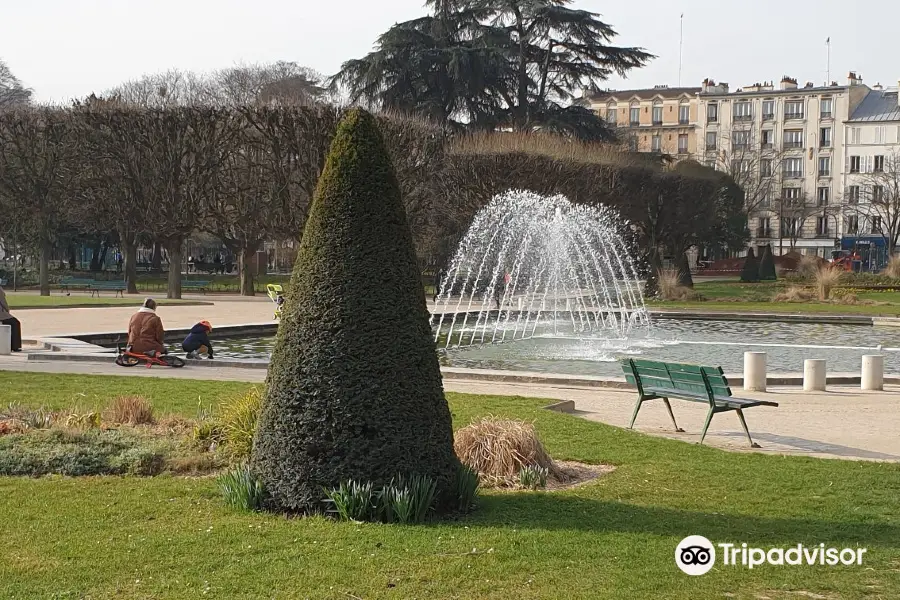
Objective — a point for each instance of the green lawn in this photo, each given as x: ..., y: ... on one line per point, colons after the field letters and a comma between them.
x: 78, y: 300
x: 724, y: 295
x: 615, y: 538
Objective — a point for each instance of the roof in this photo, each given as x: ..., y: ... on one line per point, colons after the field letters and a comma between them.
x: 777, y: 92
x: 646, y: 94
x: 878, y: 105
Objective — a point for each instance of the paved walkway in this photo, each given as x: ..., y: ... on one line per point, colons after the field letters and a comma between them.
x: 841, y: 423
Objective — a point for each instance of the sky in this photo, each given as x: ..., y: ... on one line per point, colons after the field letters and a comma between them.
x: 66, y: 49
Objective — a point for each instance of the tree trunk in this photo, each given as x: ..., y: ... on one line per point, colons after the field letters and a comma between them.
x: 95, y: 257
x: 130, y: 266
x: 246, y: 271
x: 654, y: 266
x: 46, y: 248
x: 684, y: 271
x: 174, y: 252
x: 156, y: 258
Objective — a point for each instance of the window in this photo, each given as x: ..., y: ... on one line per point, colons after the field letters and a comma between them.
x: 824, y: 166
x: 879, y: 164
x: 611, y: 116
x: 656, y: 143
x: 880, y: 134
x: 793, y: 138
x: 790, y: 226
x: 855, y: 134
x: 764, y: 228
x: 825, y: 137
x: 682, y: 143
x: 740, y: 139
x: 765, y: 167
x: 793, y: 109
x: 657, y: 114
x: 684, y: 114
x: 768, y: 110
x: 823, y: 195
x: 822, y: 226
x: 853, y: 224
x: 877, y: 193
x: 635, y: 116
x: 854, y: 164
x: 853, y: 194
x: 712, y: 113
x: 792, y: 167
x: 710, y: 140
x: 742, y: 111
x: 876, y: 224
x: 791, y: 196
x: 825, y: 108
x: 765, y: 200
x: 740, y: 167
x: 768, y: 138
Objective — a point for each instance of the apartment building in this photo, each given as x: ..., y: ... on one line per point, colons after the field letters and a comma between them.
x: 661, y: 119
x: 871, y: 207
x: 782, y: 145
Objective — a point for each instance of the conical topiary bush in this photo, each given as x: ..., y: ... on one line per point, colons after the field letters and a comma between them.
x: 354, y: 390
x: 750, y: 272
x: 767, y: 270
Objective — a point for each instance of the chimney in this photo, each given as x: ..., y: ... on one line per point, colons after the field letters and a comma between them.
x: 878, y: 87
x: 788, y: 83
x: 724, y: 87
x: 853, y: 79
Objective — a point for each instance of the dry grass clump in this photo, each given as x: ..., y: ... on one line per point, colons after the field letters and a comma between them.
x: 808, y: 266
x: 670, y: 287
x: 130, y: 410
x: 544, y: 144
x: 795, y: 293
x: 499, y: 449
x: 893, y: 268
x: 826, y: 277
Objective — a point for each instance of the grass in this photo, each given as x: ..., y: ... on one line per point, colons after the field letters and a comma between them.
x: 168, y: 537
x: 723, y: 295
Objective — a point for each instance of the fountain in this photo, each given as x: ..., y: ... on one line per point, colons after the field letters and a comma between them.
x: 535, y: 266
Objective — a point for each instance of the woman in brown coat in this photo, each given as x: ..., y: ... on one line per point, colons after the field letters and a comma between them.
x: 145, y: 330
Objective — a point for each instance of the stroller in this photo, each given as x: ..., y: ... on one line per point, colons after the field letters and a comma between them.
x: 276, y: 294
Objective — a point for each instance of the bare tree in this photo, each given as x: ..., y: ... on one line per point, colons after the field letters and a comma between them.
x: 160, y: 90
x: 794, y: 214
x: 36, y: 148
x: 274, y: 83
x: 879, y: 200
x: 12, y: 92
x: 753, y: 163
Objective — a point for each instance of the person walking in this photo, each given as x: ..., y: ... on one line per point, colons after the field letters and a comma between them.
x: 6, y: 318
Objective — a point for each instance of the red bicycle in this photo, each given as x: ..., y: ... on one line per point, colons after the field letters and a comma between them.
x: 127, y: 358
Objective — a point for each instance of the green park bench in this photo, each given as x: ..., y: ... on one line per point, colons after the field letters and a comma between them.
x: 71, y: 283
x: 195, y: 285
x: 110, y: 286
x: 3, y: 282
x: 656, y: 380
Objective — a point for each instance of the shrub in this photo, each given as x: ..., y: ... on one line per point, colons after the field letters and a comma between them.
x: 403, y: 500
x: 670, y: 287
x: 241, y: 489
x: 892, y: 269
x: 237, y: 423
x: 23, y: 418
x: 354, y: 390
x: 826, y: 278
x: 498, y: 450
x: 750, y: 271
x: 88, y: 420
x: 353, y: 501
x: 76, y: 453
x: 808, y: 266
x: 130, y: 410
x: 767, y: 265
x: 533, y: 477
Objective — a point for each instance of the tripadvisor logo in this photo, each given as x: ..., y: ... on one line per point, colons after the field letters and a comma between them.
x: 696, y: 555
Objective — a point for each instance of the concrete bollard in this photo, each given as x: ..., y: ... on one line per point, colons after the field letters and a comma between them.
x: 755, y: 371
x: 814, y: 375
x: 872, y: 372
x: 5, y: 340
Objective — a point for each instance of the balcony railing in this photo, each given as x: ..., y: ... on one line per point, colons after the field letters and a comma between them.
x: 743, y: 117
x: 823, y: 234
x: 793, y: 115
x: 659, y: 122
x: 793, y: 144
x: 825, y: 114
x: 682, y: 150
x: 684, y: 121
x: 768, y: 117
x: 711, y: 147
x: 793, y: 174
x: 763, y: 233
x: 634, y: 123
x: 712, y: 119
x: 767, y: 145
x: 824, y: 172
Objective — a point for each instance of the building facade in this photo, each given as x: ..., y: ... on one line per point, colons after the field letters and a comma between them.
x: 782, y: 145
x: 871, y: 176
x: 661, y: 119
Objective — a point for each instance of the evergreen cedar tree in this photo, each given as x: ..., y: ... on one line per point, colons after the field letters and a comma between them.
x: 767, y: 265
x: 354, y: 390
x: 750, y: 272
